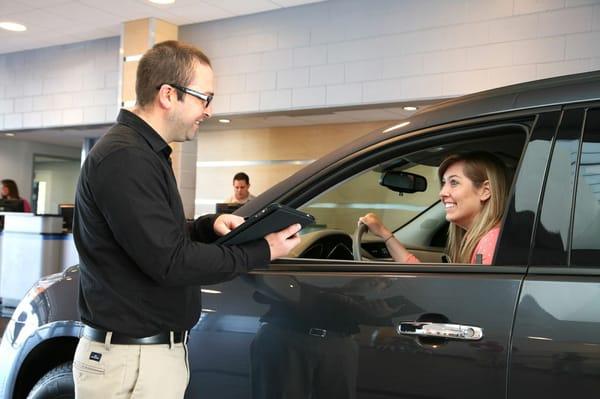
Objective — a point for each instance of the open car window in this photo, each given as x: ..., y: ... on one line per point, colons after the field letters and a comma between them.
x: 416, y: 218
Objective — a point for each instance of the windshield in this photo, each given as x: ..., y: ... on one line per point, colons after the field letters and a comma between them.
x: 341, y: 206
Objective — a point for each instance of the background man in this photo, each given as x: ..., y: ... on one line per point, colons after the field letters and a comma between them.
x: 140, y: 264
x: 241, y: 189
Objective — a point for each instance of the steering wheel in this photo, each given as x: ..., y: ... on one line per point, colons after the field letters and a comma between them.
x: 357, y: 251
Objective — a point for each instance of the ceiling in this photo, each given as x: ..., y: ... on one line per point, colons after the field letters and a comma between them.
x: 55, y: 22
x: 73, y: 136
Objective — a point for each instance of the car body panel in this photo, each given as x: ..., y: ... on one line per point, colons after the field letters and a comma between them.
x: 556, y: 345
x: 368, y: 306
x: 38, y: 320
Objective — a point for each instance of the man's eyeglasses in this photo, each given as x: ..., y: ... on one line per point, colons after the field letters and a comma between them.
x: 207, y: 98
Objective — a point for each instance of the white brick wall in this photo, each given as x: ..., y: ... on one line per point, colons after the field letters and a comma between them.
x: 326, y: 75
x: 32, y: 120
x: 275, y: 99
x: 291, y: 78
x: 59, y: 86
x: 352, y: 52
x: 333, y: 53
x: 308, y: 97
x: 261, y: 81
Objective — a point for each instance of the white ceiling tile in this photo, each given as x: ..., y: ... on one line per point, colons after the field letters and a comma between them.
x: 200, y: 13
x: 12, y: 7
x: 36, y: 19
x: 57, y: 22
x: 82, y: 13
x: 293, y: 3
x: 43, y: 3
x: 122, y: 10
x: 242, y: 7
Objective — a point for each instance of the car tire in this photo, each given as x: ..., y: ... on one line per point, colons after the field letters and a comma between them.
x: 55, y: 384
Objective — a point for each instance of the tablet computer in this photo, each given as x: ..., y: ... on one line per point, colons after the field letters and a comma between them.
x: 268, y: 220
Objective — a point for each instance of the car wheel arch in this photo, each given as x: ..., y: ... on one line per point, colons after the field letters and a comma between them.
x: 44, y: 357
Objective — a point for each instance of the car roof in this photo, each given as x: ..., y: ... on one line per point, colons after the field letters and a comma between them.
x: 582, y: 87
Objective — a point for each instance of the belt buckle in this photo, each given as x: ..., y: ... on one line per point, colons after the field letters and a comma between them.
x: 317, y: 332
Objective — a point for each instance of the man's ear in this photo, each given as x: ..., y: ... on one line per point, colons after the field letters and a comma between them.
x: 484, y: 191
x: 165, y: 97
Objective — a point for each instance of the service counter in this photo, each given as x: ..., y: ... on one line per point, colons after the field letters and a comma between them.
x: 31, y: 246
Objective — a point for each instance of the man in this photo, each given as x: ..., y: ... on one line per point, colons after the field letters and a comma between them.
x: 241, y: 189
x: 140, y: 265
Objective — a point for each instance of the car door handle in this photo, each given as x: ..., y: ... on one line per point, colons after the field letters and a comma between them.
x: 440, y: 330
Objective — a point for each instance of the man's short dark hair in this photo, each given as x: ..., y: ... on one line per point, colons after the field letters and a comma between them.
x: 167, y: 62
x: 241, y: 176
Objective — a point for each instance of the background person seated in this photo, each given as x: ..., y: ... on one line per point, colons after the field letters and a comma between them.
x: 241, y: 189
x: 11, y: 191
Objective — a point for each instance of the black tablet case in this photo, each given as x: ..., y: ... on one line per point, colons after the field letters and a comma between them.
x: 268, y: 220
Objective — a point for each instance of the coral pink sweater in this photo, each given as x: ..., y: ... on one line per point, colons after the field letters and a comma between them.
x: 485, y: 247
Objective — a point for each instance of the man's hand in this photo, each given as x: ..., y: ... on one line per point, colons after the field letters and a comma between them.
x: 282, y: 242
x: 226, y: 222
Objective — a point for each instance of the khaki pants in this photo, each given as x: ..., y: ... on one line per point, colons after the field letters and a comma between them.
x: 130, y: 371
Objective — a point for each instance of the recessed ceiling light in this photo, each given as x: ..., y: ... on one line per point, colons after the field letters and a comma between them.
x: 13, y: 26
x: 224, y: 121
x: 9, y: 134
x: 409, y: 108
x: 162, y: 1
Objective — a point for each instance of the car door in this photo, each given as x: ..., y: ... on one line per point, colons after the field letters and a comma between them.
x: 556, y: 344
x: 334, y: 328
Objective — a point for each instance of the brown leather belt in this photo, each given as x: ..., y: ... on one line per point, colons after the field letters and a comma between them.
x: 97, y: 335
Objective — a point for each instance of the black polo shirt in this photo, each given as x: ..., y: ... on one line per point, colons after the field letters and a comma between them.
x: 140, y: 264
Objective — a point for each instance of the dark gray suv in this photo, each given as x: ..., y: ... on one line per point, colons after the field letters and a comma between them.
x: 340, y: 319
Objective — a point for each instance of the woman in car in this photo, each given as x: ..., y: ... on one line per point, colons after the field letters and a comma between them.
x: 474, y: 188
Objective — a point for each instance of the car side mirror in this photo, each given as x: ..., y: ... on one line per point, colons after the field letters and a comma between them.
x: 403, y: 182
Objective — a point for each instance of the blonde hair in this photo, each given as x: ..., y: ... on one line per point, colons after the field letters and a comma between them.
x: 478, y: 167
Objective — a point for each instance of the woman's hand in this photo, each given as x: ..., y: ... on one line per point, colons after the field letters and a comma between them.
x: 397, y: 250
x: 375, y: 225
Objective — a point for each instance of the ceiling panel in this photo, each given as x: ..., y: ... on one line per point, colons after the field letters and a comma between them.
x: 13, y: 7
x: 244, y: 7
x: 292, y: 3
x: 78, y: 13
x: 36, y: 20
x: 105, y: 17
x: 199, y: 12
x: 39, y: 3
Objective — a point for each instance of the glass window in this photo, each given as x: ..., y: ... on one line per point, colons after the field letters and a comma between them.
x: 586, y: 228
x: 340, y: 207
x: 552, y: 232
x: 518, y: 228
x: 54, y: 182
x: 417, y: 219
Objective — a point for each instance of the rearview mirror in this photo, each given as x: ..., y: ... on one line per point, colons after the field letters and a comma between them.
x: 403, y: 182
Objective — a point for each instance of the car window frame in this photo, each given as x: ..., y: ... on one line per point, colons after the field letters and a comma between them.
x: 595, y: 109
x: 394, y: 147
x: 568, y: 269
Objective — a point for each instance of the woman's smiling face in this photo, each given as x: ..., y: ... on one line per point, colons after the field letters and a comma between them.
x: 461, y: 198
